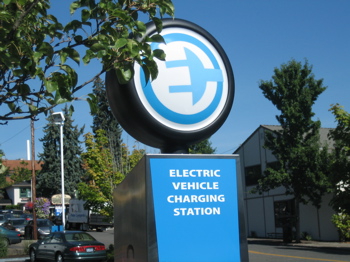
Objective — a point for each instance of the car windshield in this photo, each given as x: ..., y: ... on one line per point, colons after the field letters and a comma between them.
x: 70, y: 237
x: 18, y: 222
x: 45, y: 223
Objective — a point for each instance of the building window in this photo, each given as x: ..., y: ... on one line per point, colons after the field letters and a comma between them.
x: 24, y: 192
x: 284, y: 213
x: 252, y: 175
x: 274, y: 165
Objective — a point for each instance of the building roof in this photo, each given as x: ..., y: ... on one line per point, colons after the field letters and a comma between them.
x: 12, y: 164
x: 21, y: 184
x: 324, y: 132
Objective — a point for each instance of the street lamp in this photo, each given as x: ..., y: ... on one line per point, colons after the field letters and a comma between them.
x: 58, y: 119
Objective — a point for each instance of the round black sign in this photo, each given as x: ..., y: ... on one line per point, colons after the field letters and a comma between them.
x: 191, y: 97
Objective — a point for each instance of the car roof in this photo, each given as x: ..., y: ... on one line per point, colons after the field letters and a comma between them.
x: 4, y: 228
x: 71, y: 232
x: 74, y: 231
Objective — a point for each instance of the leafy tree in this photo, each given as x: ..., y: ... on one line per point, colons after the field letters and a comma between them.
x: 341, y: 163
x: 203, y: 147
x: 101, y: 179
x: 131, y: 159
x: 3, y: 183
x: 3, y: 173
x: 37, y: 52
x: 300, y: 170
x: 49, y: 178
x: 2, y: 167
x: 103, y: 119
x: 21, y: 173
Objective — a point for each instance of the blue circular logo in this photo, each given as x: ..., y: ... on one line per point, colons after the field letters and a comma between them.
x: 192, y: 86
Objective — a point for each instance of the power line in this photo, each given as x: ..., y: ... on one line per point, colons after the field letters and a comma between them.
x: 230, y: 150
x: 14, y: 136
x: 18, y: 134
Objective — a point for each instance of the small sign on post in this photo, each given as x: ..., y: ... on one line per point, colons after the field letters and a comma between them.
x: 57, y: 199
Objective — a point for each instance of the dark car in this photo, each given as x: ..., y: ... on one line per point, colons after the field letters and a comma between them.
x: 68, y: 246
x: 2, y: 219
x: 44, y: 227
x: 13, y: 214
x: 27, y: 217
x: 8, y: 237
x: 16, y: 224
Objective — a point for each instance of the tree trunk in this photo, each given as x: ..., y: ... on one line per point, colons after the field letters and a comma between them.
x: 297, y: 220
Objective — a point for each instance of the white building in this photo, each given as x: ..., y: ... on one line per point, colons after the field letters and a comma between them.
x: 19, y: 193
x: 263, y: 211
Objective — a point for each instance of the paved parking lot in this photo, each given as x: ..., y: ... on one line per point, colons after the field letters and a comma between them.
x: 259, y: 250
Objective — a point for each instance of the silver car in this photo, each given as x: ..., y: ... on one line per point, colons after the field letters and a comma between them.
x: 44, y: 227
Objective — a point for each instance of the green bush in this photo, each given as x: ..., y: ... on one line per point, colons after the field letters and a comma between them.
x: 110, y: 253
x: 3, y: 246
x: 306, y: 236
x: 13, y: 207
x: 342, y: 222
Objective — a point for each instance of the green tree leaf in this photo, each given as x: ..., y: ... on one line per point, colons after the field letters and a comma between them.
x: 301, y: 170
x: 32, y: 41
x: 71, y: 53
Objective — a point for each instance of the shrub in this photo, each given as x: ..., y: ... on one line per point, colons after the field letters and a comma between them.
x: 110, y: 253
x: 342, y: 222
x: 3, y: 246
x: 306, y: 236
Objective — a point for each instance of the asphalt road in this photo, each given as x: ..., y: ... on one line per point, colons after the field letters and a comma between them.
x: 277, y: 252
x: 268, y: 251
x: 106, y: 237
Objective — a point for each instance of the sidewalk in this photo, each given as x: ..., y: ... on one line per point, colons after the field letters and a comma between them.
x: 308, y: 244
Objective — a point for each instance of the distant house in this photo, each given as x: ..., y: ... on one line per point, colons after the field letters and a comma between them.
x: 265, y: 212
x: 18, y: 193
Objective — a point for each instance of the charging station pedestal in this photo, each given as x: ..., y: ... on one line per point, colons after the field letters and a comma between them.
x: 181, y: 208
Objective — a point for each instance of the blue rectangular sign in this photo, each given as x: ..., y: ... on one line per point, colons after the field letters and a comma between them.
x: 196, y: 209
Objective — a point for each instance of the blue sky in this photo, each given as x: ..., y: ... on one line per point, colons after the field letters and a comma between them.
x: 257, y: 37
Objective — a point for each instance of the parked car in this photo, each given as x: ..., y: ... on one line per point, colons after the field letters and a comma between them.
x: 12, y: 215
x: 68, y: 246
x: 44, y: 227
x: 27, y: 216
x: 16, y: 224
x: 8, y: 237
x: 2, y: 219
